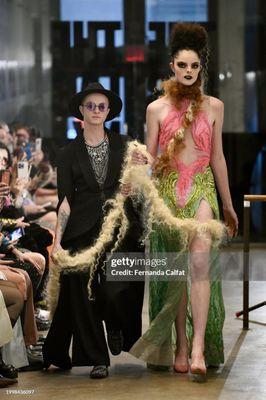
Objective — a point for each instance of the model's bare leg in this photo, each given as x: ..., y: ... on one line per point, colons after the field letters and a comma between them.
x: 181, y: 358
x: 200, y: 289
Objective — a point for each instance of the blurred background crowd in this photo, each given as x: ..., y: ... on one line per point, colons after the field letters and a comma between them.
x: 28, y: 198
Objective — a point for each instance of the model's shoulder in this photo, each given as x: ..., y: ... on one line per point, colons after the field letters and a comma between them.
x: 215, y: 103
x: 156, y: 104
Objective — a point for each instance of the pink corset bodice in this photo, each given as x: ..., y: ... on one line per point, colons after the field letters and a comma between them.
x: 197, y: 148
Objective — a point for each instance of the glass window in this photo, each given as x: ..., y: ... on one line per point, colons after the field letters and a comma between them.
x: 90, y: 10
x: 176, y: 10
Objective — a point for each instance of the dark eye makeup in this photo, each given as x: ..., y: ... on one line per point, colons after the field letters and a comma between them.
x: 181, y: 64
x: 195, y: 65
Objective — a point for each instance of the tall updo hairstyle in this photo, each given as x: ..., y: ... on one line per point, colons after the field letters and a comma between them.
x: 190, y: 36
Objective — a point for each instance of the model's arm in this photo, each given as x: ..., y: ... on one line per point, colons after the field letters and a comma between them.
x: 152, y: 142
x: 153, y: 128
x: 62, y: 219
x: 65, y: 185
x: 219, y: 168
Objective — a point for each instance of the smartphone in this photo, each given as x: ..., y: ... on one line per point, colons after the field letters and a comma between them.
x: 38, y: 144
x: 5, y: 176
x: 23, y: 170
x: 27, y: 149
x: 16, y: 234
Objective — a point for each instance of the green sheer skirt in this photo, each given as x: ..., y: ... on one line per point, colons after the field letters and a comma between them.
x: 158, y: 344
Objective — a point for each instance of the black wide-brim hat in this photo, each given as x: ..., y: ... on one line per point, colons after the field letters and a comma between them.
x: 115, y: 103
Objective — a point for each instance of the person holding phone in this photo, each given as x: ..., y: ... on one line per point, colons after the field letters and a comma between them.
x: 34, y: 262
x: 5, y: 164
x: 14, y: 302
x: 23, y: 186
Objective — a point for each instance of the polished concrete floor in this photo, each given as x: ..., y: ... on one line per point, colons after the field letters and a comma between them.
x: 242, y: 377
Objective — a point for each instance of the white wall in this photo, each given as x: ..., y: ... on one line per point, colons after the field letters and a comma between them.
x: 25, y: 62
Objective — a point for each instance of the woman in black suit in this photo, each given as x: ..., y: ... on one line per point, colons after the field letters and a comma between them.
x: 89, y: 169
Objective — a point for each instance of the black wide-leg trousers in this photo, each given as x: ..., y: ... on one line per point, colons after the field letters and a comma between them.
x: 119, y: 304
x: 78, y: 317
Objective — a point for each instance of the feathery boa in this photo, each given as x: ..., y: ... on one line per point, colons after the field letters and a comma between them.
x: 143, y: 189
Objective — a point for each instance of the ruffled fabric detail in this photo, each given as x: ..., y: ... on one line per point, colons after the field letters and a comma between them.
x: 201, y: 132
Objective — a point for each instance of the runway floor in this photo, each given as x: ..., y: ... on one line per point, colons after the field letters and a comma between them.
x: 242, y: 377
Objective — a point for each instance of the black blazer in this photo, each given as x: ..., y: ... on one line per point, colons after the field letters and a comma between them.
x: 76, y: 181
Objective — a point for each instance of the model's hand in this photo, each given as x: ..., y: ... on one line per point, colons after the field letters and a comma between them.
x: 56, y: 248
x: 138, y: 158
x: 231, y: 221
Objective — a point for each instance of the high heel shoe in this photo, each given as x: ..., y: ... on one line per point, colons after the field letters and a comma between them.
x: 181, y: 368
x: 198, y: 368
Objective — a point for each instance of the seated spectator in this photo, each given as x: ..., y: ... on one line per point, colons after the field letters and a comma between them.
x: 25, y: 263
x: 28, y: 259
x: 22, y: 280
x: 14, y: 301
x: 5, y: 336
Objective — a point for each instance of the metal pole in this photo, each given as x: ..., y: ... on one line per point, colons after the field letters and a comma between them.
x: 246, y: 265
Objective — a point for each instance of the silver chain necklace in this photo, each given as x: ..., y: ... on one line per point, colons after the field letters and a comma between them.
x: 99, y: 155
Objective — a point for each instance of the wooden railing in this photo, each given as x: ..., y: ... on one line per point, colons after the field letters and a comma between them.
x: 248, y: 198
